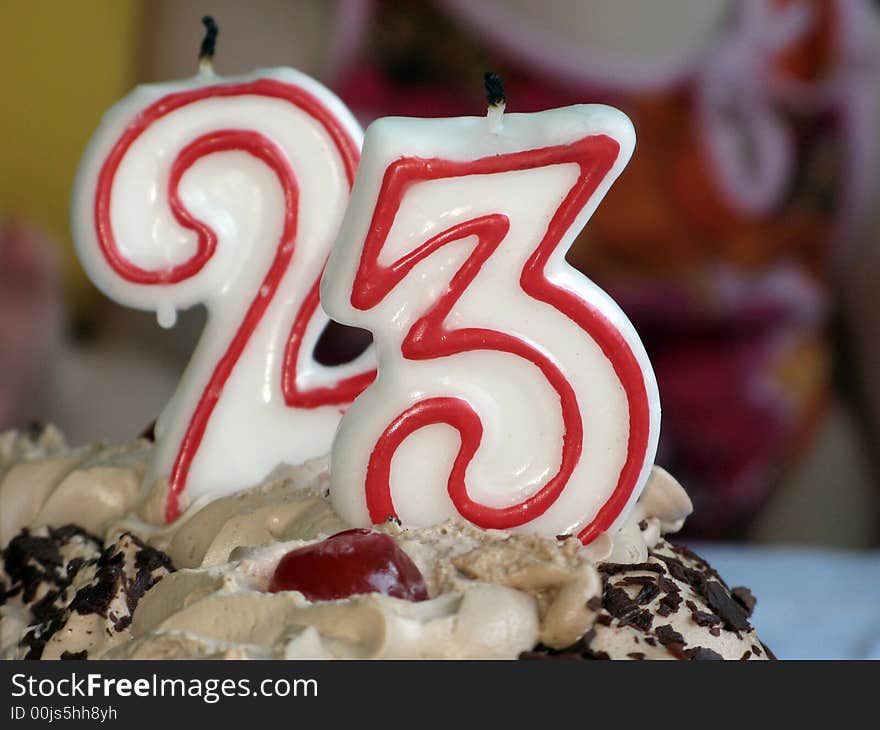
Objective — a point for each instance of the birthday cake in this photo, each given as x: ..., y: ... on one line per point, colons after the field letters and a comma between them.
x: 493, y: 492
x: 91, y: 571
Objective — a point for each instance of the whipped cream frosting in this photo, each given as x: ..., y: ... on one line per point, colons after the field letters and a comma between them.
x: 492, y: 594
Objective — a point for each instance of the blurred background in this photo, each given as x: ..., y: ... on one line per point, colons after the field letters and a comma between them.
x: 742, y: 240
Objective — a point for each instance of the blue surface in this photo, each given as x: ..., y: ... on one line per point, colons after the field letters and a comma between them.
x: 813, y: 603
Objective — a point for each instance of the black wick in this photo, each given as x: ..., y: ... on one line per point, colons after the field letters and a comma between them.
x: 494, y: 89
x: 209, y: 43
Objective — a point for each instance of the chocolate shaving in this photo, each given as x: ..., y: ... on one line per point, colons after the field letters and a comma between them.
x: 722, y: 603
x: 150, y: 558
x: 702, y: 654
x: 689, y: 554
x: 97, y: 596
x: 75, y: 654
x: 680, y: 571
x: 147, y: 560
x: 615, y: 568
x: 42, y: 549
x: 649, y: 590
x: 64, y: 534
x: 743, y: 596
x: 702, y: 618
x: 669, y: 604
x: 30, y: 562
x: 648, y: 593
x: 73, y: 567
x: 579, y: 650
x: 46, y: 608
x: 636, y: 655
x: 618, y: 603
x: 666, y: 635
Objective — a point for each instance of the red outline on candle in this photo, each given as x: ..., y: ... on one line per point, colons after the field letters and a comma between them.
x: 427, y: 339
x: 342, y: 392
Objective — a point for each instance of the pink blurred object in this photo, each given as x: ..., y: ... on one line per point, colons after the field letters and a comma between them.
x: 30, y: 322
x: 732, y: 74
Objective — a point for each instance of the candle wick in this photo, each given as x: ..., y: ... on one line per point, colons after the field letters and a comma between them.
x: 496, y: 100
x: 209, y: 45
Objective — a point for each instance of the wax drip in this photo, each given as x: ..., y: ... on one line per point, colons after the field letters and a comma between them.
x: 495, y: 99
x: 209, y: 44
x: 166, y: 315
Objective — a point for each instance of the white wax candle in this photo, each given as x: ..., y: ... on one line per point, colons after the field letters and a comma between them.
x: 227, y: 192
x: 512, y: 391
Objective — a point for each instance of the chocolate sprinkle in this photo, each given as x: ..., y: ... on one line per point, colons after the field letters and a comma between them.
x: 75, y: 654
x: 45, y: 609
x: 743, y: 596
x: 680, y: 571
x: 649, y: 590
x: 729, y: 610
x: 666, y: 635
x: 579, y: 650
x: 702, y: 654
x: 618, y: 603
x: 96, y: 597
x: 702, y: 618
x: 615, y: 568
x: 669, y: 604
x: 35, y: 565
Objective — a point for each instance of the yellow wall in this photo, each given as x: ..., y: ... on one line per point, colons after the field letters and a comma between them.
x: 62, y: 64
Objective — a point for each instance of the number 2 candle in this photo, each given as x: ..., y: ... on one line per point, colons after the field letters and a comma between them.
x: 511, y: 390
x: 227, y: 192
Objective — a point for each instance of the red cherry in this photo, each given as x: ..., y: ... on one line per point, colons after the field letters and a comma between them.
x: 349, y: 563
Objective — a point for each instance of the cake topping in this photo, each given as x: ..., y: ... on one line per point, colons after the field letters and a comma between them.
x: 723, y: 604
x: 743, y: 596
x: 496, y: 594
x: 350, y: 563
x: 71, y: 596
x: 701, y: 653
x: 666, y: 635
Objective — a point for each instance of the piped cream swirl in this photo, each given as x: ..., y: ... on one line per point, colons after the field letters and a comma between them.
x: 492, y: 593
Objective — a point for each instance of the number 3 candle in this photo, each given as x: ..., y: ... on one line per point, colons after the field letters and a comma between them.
x: 227, y: 192
x: 511, y: 390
